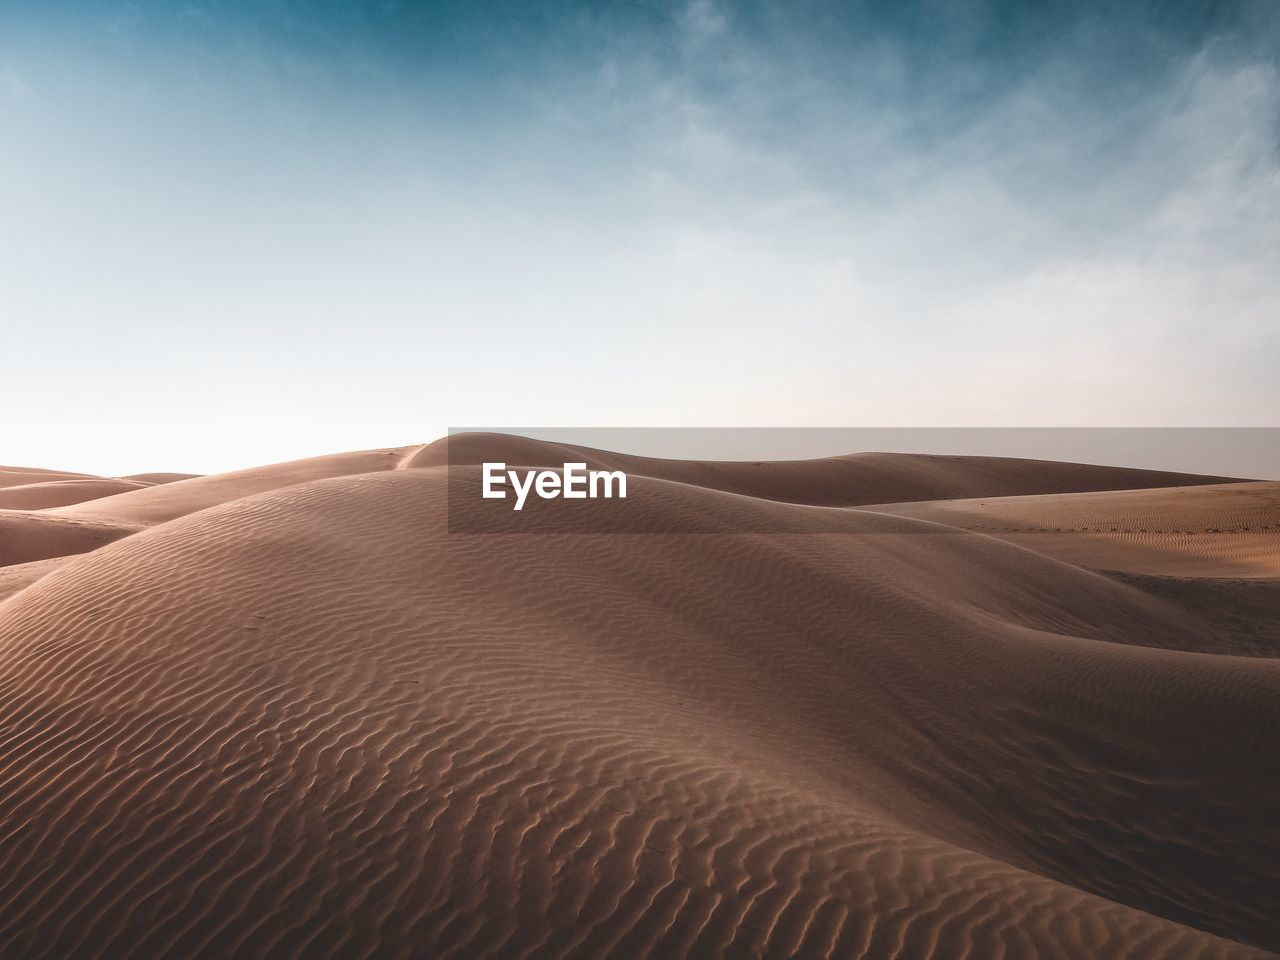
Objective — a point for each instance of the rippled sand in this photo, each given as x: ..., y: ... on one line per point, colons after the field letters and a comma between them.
x: 283, y: 712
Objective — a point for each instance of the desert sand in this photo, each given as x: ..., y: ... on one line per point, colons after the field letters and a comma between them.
x: 968, y: 708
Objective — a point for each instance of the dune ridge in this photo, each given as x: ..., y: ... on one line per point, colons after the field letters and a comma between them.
x: 287, y: 713
x: 21, y: 476
x: 852, y: 480
x: 62, y: 493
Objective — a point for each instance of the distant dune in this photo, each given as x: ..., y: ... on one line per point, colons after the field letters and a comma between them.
x: 22, y: 476
x: 61, y: 493
x: 27, y: 535
x: 854, y: 480
x: 283, y: 712
x: 1200, y: 531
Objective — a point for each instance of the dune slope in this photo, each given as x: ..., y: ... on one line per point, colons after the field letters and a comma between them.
x: 61, y: 493
x: 167, y: 501
x: 38, y: 535
x: 21, y: 476
x: 853, y: 480
x: 1198, y: 531
x: 310, y: 721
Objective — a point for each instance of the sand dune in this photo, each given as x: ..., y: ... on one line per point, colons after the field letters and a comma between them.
x: 1201, y: 531
x: 61, y: 493
x: 19, y: 576
x: 854, y: 480
x: 1239, y: 616
x: 157, y: 504
x: 292, y: 716
x: 27, y: 536
x: 153, y: 479
x: 21, y: 476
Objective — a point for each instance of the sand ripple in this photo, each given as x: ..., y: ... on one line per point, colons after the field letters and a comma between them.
x: 310, y: 722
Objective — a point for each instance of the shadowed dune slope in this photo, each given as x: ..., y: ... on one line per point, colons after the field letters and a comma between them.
x: 39, y: 535
x: 1200, y: 531
x: 311, y: 722
x: 61, y: 493
x: 1241, y: 616
x: 853, y: 480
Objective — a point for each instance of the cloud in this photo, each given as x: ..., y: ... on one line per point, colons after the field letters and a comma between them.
x: 702, y: 213
x: 703, y: 18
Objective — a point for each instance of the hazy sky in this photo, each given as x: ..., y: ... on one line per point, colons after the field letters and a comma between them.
x: 237, y: 232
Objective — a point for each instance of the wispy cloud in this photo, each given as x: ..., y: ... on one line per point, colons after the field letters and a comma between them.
x: 708, y: 212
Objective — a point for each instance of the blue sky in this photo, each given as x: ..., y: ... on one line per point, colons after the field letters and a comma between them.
x: 235, y: 233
